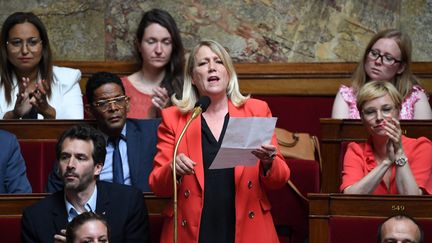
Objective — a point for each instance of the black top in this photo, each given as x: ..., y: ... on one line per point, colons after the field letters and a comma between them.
x: 32, y: 114
x: 218, y: 215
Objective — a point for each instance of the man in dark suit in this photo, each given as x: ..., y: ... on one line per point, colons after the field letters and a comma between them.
x: 108, y: 104
x: 13, y: 177
x: 81, y: 153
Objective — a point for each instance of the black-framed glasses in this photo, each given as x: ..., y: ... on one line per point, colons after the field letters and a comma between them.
x: 385, y: 59
x: 105, y: 105
x: 16, y: 44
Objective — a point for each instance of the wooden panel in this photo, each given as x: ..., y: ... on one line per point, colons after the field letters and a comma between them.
x: 155, y: 205
x: 369, y: 206
x: 267, y: 79
x: 40, y: 129
x: 14, y: 204
x: 334, y: 132
x: 318, y: 230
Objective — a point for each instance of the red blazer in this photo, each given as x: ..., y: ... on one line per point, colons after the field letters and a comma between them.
x: 253, y: 219
x: 360, y: 160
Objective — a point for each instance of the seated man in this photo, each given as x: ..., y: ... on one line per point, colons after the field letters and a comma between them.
x: 136, y: 139
x: 13, y: 177
x: 81, y: 154
x: 400, y: 228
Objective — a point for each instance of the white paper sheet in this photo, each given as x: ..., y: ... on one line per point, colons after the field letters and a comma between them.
x: 242, y: 136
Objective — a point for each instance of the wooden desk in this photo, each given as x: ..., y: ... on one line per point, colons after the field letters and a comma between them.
x: 11, y: 207
x: 14, y: 204
x: 301, y: 79
x: 40, y: 129
x: 324, y: 206
x: 334, y: 132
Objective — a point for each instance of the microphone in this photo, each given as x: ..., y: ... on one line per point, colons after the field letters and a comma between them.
x: 200, y: 106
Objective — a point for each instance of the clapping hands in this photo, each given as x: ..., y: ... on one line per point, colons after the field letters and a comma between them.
x: 22, y: 104
x: 37, y: 98
x: 394, y: 132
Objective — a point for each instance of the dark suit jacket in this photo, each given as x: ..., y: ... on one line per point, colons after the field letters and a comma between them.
x: 122, y: 206
x: 13, y: 177
x: 141, y: 140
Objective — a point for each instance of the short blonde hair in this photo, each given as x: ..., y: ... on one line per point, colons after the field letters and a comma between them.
x: 190, y: 94
x: 376, y: 89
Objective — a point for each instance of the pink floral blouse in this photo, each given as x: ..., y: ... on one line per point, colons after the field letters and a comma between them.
x: 407, y: 111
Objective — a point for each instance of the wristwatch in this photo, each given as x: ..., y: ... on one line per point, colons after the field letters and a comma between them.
x: 401, y: 161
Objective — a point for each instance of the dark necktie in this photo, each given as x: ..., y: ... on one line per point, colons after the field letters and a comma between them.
x: 117, y: 161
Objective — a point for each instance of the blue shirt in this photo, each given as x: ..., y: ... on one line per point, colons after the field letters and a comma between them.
x: 90, y: 206
x: 107, y: 170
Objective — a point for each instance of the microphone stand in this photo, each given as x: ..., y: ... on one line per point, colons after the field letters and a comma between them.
x: 196, y: 112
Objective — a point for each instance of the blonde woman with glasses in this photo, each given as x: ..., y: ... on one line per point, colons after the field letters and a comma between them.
x: 387, y: 57
x: 389, y: 162
x: 30, y: 86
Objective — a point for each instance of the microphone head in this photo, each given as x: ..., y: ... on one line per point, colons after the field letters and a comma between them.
x: 203, y: 102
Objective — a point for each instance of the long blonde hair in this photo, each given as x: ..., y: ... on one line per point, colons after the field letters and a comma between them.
x: 190, y: 93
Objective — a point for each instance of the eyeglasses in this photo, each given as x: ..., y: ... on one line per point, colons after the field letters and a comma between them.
x: 105, y: 105
x: 385, y: 59
x: 372, y: 113
x: 17, y: 44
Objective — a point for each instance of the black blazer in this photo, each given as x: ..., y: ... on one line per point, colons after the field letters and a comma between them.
x: 141, y: 140
x: 122, y: 206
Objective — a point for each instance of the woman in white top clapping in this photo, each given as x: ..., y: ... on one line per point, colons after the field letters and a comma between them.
x: 30, y: 86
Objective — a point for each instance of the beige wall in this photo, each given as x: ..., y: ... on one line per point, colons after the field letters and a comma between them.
x: 253, y: 30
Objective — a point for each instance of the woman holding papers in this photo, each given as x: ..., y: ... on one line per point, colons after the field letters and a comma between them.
x: 388, y: 163
x: 224, y: 205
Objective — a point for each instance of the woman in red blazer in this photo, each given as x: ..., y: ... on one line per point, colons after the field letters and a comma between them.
x: 225, y: 205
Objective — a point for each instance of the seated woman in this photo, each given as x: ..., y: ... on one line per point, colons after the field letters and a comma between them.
x: 388, y: 58
x: 87, y: 227
x: 389, y: 162
x: 161, y: 57
x: 30, y: 86
x: 223, y: 205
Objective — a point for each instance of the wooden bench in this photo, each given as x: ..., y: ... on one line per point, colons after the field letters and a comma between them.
x: 334, y: 132
x: 33, y: 130
x: 305, y: 79
x: 12, y: 206
x: 289, y: 210
x: 339, y: 218
x: 297, y: 93
x: 37, y: 140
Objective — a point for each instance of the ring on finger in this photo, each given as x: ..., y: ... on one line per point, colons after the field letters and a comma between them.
x: 272, y: 155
